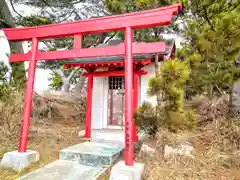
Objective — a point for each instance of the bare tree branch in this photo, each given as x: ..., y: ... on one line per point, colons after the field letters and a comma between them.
x: 60, y: 73
x: 78, y: 1
x: 73, y: 73
x: 114, y: 34
x: 11, y: 2
x: 48, y: 44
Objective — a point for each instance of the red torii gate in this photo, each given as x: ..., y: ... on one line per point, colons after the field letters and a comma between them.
x: 126, y: 22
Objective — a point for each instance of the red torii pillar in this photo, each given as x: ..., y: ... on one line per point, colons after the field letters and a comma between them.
x: 135, y: 103
x: 78, y: 41
x: 28, y: 98
x: 129, y: 150
x: 88, y: 126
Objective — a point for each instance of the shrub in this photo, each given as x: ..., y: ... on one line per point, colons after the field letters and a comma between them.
x: 191, y: 120
x: 5, y: 91
x: 176, y: 121
x: 10, y: 115
x: 146, y: 119
x: 170, y: 84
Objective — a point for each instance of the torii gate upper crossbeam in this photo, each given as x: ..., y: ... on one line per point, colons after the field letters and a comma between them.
x: 145, y: 19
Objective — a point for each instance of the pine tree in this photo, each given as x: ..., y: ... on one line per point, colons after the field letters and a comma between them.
x: 213, y: 42
x: 126, y: 6
x: 7, y: 21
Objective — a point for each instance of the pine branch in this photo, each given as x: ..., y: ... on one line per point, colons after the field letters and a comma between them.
x: 207, y: 18
x: 5, y: 24
x: 46, y: 3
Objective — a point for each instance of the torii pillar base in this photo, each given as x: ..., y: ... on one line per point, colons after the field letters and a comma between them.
x: 19, y: 161
x: 123, y: 172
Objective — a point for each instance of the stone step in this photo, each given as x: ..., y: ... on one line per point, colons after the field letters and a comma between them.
x: 97, y: 154
x: 65, y: 170
x: 114, y: 135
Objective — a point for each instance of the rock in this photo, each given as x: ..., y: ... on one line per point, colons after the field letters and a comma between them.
x: 147, y: 151
x: 142, y: 136
x: 81, y: 133
x: 183, y: 150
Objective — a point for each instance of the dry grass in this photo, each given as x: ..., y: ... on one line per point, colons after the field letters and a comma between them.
x: 55, y: 124
x: 216, y: 156
x: 205, y: 166
x: 53, y: 106
x: 47, y: 140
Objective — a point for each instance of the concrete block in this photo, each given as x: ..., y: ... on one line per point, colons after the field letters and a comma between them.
x: 65, y: 170
x: 122, y: 172
x: 18, y: 161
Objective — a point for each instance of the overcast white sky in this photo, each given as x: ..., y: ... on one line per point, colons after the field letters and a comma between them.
x: 41, y: 79
x: 42, y: 76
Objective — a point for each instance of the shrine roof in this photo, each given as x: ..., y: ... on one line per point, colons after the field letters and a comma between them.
x: 106, y: 61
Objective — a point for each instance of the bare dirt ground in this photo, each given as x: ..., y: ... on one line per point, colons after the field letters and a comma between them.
x: 47, y: 139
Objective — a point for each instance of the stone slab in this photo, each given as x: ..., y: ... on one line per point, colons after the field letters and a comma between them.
x: 19, y: 161
x: 122, y: 172
x: 111, y: 135
x: 92, y: 153
x: 65, y: 170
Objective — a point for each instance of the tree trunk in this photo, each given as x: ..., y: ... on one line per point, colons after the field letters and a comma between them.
x: 18, y: 69
x: 79, y: 86
x: 231, y: 106
x: 66, y: 79
x: 210, y: 91
x: 157, y: 73
x: 66, y: 85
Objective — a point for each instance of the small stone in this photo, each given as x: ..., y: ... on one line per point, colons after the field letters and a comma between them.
x: 183, y: 150
x: 142, y: 136
x: 81, y: 133
x: 146, y: 150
